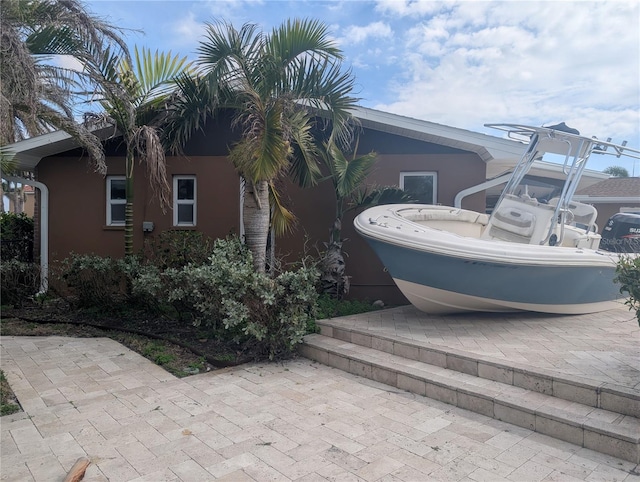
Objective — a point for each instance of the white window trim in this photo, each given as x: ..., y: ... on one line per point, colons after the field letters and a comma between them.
x: 177, y: 202
x: 422, y: 173
x: 111, y: 202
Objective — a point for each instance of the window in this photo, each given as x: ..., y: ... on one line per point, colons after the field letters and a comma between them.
x: 116, y: 200
x: 420, y: 185
x: 184, y: 200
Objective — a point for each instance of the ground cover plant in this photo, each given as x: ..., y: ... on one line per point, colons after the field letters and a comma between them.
x: 8, y: 402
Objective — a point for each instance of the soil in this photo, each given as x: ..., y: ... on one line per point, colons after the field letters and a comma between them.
x: 178, y: 346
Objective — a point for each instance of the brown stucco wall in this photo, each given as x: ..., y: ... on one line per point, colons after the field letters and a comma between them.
x: 77, y: 209
x: 78, y: 200
x: 315, y: 210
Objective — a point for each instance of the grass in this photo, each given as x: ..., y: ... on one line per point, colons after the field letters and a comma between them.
x: 330, y: 308
x: 8, y: 401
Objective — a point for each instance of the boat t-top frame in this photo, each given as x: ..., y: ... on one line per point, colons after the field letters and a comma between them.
x: 563, y: 141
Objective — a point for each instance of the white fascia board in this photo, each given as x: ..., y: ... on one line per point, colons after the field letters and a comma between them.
x: 606, y: 200
x: 29, y: 152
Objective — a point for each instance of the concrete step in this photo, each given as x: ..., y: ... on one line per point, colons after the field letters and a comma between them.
x: 606, y: 396
x: 602, y: 430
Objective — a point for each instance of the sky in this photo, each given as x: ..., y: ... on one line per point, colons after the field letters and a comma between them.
x: 462, y: 64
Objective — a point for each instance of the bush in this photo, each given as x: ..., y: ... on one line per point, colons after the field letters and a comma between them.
x: 223, y: 295
x: 19, y: 281
x: 270, y: 315
x: 16, y: 231
x: 96, y: 282
x: 628, y: 275
x: 329, y: 307
x: 175, y: 249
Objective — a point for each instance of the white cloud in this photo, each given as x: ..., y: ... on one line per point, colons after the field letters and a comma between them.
x: 476, y: 62
x: 403, y: 8
x: 356, y: 35
x: 188, y: 30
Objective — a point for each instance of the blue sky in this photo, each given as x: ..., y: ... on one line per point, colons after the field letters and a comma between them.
x: 462, y: 64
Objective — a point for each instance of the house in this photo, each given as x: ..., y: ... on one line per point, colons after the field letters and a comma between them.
x: 20, y: 199
x: 83, y: 212
x: 611, y: 196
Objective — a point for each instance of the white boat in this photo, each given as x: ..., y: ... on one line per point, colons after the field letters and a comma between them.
x: 530, y: 254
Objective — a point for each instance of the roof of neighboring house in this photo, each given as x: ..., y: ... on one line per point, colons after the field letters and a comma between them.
x: 614, y: 189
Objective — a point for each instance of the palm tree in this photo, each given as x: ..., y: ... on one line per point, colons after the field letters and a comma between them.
x: 36, y: 94
x: 275, y: 83
x: 134, y: 96
x: 348, y: 177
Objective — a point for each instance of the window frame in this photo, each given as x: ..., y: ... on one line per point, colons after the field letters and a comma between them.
x: 433, y: 174
x: 110, y: 202
x: 178, y: 202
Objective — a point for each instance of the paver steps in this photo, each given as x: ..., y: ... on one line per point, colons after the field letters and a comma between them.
x: 599, y: 417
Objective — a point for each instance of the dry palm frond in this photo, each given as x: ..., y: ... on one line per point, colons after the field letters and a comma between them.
x: 151, y: 153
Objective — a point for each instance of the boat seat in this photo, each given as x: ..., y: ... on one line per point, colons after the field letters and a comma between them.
x: 583, y: 215
x: 515, y: 221
x: 460, y: 215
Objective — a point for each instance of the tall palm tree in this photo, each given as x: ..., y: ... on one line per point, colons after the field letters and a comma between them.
x: 36, y: 93
x: 133, y: 96
x: 275, y: 83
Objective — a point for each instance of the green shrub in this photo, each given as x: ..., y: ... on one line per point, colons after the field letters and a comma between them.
x: 270, y: 315
x: 95, y: 281
x: 19, y: 281
x: 175, y: 249
x: 329, y: 307
x: 223, y: 295
x: 16, y: 231
x: 628, y: 275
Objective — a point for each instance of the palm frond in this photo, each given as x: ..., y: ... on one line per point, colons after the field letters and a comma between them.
x: 304, y: 168
x: 151, y: 153
x: 306, y: 37
x: 154, y: 73
x: 378, y: 195
x: 282, y: 219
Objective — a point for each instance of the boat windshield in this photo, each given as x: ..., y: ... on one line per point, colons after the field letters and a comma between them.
x: 559, y: 140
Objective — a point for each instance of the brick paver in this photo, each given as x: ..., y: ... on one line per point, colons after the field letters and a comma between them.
x: 293, y: 421
x: 602, y: 347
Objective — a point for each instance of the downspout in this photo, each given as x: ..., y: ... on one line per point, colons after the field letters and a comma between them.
x: 44, y: 228
x: 457, y: 202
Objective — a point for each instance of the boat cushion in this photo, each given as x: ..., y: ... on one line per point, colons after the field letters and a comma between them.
x: 515, y: 221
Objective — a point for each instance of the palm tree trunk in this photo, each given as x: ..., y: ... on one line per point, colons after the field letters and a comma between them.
x: 128, y: 210
x: 256, y: 217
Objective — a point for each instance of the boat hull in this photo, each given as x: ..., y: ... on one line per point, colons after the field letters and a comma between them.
x: 441, y: 272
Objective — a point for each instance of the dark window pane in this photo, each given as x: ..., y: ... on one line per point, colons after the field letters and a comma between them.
x: 420, y: 188
x: 117, y: 213
x: 118, y: 189
x: 185, y: 214
x: 185, y: 188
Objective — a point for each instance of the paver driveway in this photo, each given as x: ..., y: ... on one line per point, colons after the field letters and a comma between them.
x: 293, y: 421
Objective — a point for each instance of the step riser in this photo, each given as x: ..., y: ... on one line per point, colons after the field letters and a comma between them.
x: 493, y: 405
x: 606, y: 397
